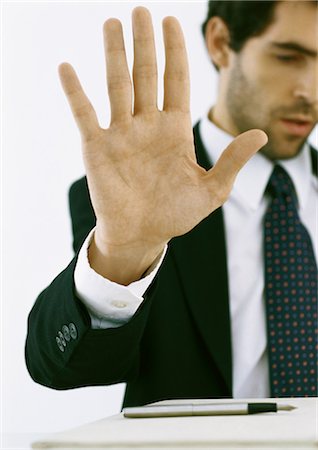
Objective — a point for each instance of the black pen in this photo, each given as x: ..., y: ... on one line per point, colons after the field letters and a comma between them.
x: 204, y: 409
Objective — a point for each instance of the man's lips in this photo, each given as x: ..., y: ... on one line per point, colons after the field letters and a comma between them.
x: 297, y: 126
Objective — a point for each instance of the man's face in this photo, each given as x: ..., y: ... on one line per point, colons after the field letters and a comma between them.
x: 272, y: 82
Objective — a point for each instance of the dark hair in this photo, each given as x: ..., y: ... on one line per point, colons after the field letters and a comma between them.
x: 244, y: 19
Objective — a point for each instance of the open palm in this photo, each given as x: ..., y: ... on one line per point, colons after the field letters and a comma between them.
x: 144, y: 181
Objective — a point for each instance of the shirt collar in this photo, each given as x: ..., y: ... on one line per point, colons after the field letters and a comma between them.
x: 251, y: 182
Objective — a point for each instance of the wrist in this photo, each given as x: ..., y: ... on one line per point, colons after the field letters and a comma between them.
x: 122, y: 263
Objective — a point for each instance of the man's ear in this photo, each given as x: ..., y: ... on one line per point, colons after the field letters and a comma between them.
x: 217, y: 38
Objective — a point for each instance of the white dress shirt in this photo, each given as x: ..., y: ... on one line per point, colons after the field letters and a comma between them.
x: 111, y: 305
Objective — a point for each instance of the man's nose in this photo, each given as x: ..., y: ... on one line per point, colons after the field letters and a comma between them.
x: 307, y: 86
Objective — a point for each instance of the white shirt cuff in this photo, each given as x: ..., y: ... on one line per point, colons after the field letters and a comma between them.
x: 109, y: 304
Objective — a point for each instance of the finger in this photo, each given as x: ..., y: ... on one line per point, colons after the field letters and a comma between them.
x: 82, y: 109
x: 145, y: 64
x: 221, y: 177
x: 117, y: 72
x: 176, y: 75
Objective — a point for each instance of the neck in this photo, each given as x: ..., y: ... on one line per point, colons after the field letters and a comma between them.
x: 220, y: 117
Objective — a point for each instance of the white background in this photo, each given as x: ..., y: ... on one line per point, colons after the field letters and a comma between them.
x: 41, y: 157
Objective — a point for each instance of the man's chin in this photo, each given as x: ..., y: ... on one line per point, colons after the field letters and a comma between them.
x: 282, y: 149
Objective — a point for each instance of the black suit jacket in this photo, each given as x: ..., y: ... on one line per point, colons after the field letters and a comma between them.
x: 178, y: 343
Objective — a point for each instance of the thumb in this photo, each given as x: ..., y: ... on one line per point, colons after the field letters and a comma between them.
x: 222, y: 175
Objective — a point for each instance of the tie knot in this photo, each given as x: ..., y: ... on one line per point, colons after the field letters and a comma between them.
x: 280, y: 184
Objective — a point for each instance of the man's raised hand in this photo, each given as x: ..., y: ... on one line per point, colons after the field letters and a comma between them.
x: 145, y: 184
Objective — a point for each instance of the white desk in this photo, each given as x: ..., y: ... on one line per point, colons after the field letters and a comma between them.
x: 292, y: 430
x: 19, y: 441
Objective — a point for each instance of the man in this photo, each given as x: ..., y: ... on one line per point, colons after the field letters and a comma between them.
x: 207, y: 315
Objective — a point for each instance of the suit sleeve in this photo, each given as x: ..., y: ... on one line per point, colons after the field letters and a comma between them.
x: 62, y: 350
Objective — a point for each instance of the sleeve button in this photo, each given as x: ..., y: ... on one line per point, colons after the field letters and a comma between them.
x: 59, y: 344
x: 73, y: 330
x: 66, y: 332
x: 61, y: 336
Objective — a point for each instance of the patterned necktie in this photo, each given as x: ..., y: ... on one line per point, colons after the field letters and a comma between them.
x: 291, y: 294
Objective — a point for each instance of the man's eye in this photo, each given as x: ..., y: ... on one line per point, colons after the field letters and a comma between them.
x: 287, y: 58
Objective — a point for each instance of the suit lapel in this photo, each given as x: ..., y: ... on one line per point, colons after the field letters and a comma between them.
x: 200, y: 256
x: 314, y: 160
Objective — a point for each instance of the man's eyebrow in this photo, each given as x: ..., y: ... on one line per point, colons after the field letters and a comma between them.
x: 294, y: 46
